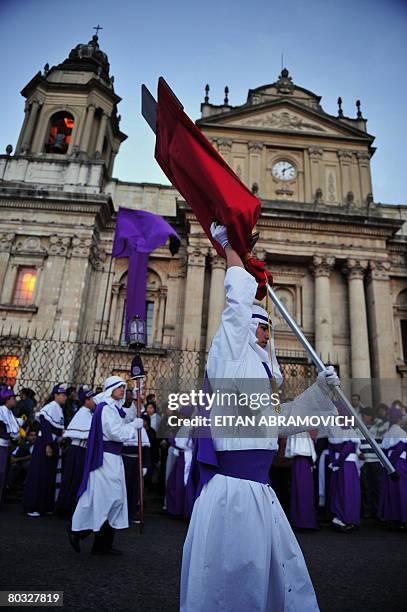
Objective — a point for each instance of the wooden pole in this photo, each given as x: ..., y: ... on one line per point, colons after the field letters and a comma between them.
x: 140, y: 454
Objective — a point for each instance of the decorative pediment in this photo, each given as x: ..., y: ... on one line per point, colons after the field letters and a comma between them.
x: 286, y: 116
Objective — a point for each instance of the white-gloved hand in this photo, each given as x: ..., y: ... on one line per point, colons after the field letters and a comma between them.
x: 220, y: 234
x: 334, y: 468
x: 135, y: 389
x: 144, y: 471
x: 328, y: 377
x: 139, y: 423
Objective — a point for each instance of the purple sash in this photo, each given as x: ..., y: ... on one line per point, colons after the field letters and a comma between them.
x: 253, y: 464
x: 115, y: 448
x: 205, y: 461
x: 96, y: 446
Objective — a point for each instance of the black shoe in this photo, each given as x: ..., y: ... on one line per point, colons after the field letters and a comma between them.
x: 115, y: 552
x: 74, y: 540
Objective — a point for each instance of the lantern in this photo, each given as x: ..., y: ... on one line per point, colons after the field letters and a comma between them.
x: 137, y: 333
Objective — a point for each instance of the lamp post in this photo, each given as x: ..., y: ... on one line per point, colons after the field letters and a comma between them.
x: 137, y: 341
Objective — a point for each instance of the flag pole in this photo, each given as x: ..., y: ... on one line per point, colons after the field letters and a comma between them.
x: 340, y: 395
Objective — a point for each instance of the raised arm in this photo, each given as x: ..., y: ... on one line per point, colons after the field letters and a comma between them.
x: 232, y: 338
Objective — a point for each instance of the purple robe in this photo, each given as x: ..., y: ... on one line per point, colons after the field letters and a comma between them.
x: 175, y: 495
x: 393, y: 493
x: 302, y: 502
x: 3, y: 469
x: 73, y: 467
x: 344, y: 486
x: 39, y: 490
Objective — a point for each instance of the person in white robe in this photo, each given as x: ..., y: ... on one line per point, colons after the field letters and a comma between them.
x: 240, y: 552
x: 102, y: 504
x: 9, y: 431
x: 77, y: 434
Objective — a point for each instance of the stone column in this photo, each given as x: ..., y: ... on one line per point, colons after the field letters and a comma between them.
x: 162, y: 296
x: 309, y: 196
x: 322, y: 268
x: 255, y: 149
x: 225, y: 148
x: 35, y: 107
x: 6, y: 241
x: 315, y: 155
x: 101, y: 134
x: 359, y: 338
x: 345, y: 161
x: 364, y: 174
x: 23, y: 129
x: 88, y: 126
x: 380, y: 313
x: 191, y: 333
x: 113, y: 314
x: 216, y: 295
x: 172, y: 327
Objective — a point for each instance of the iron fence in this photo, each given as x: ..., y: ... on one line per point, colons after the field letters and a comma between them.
x: 40, y: 363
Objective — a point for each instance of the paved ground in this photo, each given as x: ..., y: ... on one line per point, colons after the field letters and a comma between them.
x: 364, y: 571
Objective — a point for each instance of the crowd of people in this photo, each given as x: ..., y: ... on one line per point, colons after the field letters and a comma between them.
x: 43, y: 448
x: 316, y: 478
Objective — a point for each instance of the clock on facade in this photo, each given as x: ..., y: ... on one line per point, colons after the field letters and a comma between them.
x: 284, y: 170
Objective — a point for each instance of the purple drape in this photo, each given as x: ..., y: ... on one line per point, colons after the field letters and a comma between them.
x: 137, y: 234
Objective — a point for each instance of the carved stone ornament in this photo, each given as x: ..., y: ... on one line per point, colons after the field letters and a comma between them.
x: 355, y: 268
x: 224, y: 145
x: 344, y: 154
x: 217, y: 262
x: 58, y: 245
x: 322, y: 265
x: 363, y: 157
x: 196, y: 256
x: 81, y: 247
x: 284, y: 120
x: 97, y: 257
x: 315, y: 152
x: 285, y: 83
x: 379, y: 270
x: 30, y: 244
x: 254, y: 145
x: 6, y: 241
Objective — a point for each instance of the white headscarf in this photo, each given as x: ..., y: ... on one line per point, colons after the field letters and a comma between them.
x: 111, y: 383
x: 259, y: 315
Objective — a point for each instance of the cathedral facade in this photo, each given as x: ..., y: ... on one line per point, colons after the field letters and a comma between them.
x: 338, y: 258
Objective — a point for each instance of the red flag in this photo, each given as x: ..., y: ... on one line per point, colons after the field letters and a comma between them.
x: 205, y: 180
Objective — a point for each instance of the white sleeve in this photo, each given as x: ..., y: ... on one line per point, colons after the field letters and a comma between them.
x: 114, y: 427
x: 313, y: 401
x: 232, y: 338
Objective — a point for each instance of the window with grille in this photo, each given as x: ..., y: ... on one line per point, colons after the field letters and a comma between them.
x: 23, y: 294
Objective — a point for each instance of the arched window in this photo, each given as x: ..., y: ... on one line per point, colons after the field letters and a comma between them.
x: 60, y: 131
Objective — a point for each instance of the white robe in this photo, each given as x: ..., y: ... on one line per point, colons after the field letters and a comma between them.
x: 105, y: 497
x: 79, y: 427
x: 240, y: 552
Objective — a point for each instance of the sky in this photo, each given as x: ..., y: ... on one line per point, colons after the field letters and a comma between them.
x: 356, y: 49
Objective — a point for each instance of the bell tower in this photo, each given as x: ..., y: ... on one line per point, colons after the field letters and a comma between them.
x: 71, y: 114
